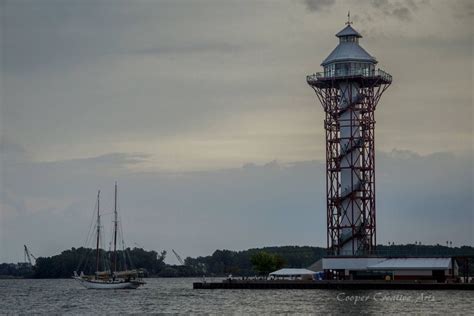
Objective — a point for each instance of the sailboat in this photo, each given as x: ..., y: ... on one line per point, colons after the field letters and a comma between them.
x: 109, y: 279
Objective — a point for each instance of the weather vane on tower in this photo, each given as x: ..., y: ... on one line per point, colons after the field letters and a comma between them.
x: 349, y: 22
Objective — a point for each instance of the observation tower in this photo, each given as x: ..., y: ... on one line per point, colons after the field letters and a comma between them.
x: 349, y: 90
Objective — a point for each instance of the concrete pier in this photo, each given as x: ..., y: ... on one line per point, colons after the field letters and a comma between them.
x: 331, y: 285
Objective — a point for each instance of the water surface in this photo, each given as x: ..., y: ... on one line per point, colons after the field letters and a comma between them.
x: 66, y: 296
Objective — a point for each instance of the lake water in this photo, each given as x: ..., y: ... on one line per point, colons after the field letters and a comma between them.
x: 177, y: 296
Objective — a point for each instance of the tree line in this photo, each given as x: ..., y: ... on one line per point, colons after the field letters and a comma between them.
x: 251, y: 262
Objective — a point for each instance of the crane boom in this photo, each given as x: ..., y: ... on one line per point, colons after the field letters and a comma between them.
x: 178, y: 257
x: 28, y: 255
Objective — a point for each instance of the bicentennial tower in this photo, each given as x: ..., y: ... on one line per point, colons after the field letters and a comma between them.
x: 349, y: 89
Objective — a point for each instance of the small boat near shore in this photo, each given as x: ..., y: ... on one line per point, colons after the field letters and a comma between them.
x: 110, y: 278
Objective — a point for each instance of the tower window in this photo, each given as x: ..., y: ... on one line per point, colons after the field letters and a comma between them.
x: 353, y: 39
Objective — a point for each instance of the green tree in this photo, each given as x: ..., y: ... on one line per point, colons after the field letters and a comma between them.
x: 264, y: 262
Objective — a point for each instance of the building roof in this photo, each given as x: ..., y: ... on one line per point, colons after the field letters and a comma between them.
x: 412, y: 264
x: 348, y: 51
x: 292, y: 272
x: 350, y: 263
x: 348, y: 31
x: 317, y: 266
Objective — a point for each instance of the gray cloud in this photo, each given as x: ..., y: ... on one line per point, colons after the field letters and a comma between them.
x: 463, y: 9
x: 190, y: 48
x: 202, y: 88
x: 403, y: 14
x: 256, y: 205
x: 318, y: 5
x: 401, y: 10
x: 100, y: 74
x: 66, y: 35
x: 11, y: 152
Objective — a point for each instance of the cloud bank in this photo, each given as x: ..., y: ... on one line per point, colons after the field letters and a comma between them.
x: 49, y: 205
x: 318, y: 5
x: 171, y: 98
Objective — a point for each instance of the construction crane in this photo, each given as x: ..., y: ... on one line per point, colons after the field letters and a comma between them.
x: 28, y: 255
x: 178, y: 257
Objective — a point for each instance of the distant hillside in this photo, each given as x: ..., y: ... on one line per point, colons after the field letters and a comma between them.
x: 220, y: 263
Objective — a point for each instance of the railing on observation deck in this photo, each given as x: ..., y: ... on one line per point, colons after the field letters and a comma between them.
x: 421, y: 251
x: 343, y: 73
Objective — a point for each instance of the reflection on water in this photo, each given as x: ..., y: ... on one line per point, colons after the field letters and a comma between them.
x: 177, y: 296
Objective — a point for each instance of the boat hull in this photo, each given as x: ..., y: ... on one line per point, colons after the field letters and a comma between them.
x: 115, y: 285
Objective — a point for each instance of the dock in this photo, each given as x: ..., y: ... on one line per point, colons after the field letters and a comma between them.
x: 330, y: 285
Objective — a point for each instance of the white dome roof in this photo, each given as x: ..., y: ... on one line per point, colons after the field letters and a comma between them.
x: 348, y: 50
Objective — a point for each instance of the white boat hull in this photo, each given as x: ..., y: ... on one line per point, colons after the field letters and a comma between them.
x: 112, y: 285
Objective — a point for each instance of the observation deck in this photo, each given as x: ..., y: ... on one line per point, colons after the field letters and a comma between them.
x: 364, y: 78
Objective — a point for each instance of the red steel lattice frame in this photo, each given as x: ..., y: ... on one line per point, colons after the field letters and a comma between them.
x: 370, y: 89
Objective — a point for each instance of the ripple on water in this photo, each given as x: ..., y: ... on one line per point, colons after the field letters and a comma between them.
x: 177, y: 296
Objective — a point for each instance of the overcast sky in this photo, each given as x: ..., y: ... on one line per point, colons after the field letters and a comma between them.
x: 200, y: 110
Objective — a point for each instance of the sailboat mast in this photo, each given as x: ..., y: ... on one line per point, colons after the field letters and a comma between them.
x: 98, y: 232
x: 115, y: 229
